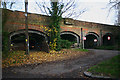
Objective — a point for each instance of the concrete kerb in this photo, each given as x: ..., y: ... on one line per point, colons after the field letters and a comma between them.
x: 89, y: 74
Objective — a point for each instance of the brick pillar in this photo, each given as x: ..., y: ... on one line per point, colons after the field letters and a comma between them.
x: 81, y: 41
x: 101, y: 39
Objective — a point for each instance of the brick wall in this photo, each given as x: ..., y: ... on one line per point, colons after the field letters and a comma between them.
x: 16, y: 21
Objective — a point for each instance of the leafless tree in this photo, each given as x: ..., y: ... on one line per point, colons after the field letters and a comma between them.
x: 7, y: 4
x: 57, y: 9
x: 70, y: 9
x: 116, y: 5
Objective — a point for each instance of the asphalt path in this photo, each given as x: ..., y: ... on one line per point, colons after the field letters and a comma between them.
x: 61, y: 69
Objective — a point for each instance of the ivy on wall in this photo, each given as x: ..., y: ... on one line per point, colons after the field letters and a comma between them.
x: 55, y: 40
x: 5, y: 39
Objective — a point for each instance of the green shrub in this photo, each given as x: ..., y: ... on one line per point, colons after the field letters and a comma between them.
x: 66, y: 44
x: 5, y: 44
x: 115, y: 47
x: 84, y: 50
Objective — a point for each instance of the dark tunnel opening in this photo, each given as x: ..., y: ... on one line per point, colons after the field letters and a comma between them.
x: 69, y: 37
x: 18, y: 42
x: 108, y: 40
x: 36, y: 42
x: 91, y: 41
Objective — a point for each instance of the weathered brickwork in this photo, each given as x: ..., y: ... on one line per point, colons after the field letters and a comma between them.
x: 16, y: 21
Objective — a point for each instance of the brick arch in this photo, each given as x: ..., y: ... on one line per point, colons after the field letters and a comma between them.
x: 93, y: 33
x: 111, y: 41
x: 29, y: 31
x: 96, y: 35
x: 72, y: 33
x: 107, y: 33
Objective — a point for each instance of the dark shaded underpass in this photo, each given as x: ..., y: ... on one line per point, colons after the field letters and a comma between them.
x: 108, y: 40
x: 69, y: 37
x: 36, y: 42
x: 18, y: 42
x: 91, y: 41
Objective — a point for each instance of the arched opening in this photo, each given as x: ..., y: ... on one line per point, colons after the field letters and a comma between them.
x: 108, y: 39
x: 37, y: 41
x: 70, y: 36
x: 18, y: 42
x: 91, y: 41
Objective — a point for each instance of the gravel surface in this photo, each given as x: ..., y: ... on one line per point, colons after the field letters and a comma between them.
x: 73, y: 68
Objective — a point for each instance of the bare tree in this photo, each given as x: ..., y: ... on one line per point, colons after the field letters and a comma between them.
x: 69, y: 10
x: 8, y: 4
x: 58, y: 9
x: 116, y: 5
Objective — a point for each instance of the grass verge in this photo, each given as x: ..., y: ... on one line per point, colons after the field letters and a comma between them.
x: 108, y: 47
x: 109, y: 67
x: 84, y: 50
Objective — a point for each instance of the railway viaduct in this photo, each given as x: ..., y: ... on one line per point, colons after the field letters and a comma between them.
x: 73, y: 30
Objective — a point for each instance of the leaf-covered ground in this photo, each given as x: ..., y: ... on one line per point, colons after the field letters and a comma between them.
x: 17, y: 58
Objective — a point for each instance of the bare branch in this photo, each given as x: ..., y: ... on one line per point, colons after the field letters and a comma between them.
x: 7, y: 4
x: 11, y: 4
x: 115, y: 4
x: 67, y: 7
x: 80, y: 13
x: 43, y: 7
x: 39, y: 6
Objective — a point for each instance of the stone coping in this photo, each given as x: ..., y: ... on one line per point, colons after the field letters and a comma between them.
x: 89, y: 74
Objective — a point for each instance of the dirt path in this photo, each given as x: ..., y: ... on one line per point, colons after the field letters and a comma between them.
x: 61, y: 69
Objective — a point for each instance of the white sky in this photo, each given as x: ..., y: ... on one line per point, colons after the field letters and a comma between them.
x: 97, y: 10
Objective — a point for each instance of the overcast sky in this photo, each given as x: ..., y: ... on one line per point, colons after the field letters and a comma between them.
x: 97, y: 10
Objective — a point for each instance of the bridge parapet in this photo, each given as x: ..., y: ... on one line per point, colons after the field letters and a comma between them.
x: 16, y: 21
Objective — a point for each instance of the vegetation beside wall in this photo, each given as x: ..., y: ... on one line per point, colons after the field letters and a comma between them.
x: 55, y: 39
x: 66, y: 44
x: 115, y: 47
x: 5, y: 34
x: 5, y: 43
x: 108, y: 68
x: 85, y: 50
x: 118, y: 42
